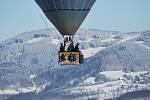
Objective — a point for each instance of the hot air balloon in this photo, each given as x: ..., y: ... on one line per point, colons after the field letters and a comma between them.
x: 66, y: 15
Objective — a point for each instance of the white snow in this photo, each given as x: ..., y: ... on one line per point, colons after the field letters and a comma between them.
x: 19, y: 90
x: 106, y: 88
x: 32, y: 76
x: 34, y: 40
x: 89, y: 80
x: 22, y: 90
x: 110, y: 88
x: 113, y: 74
x: 90, y: 39
x: 141, y: 44
x: 91, y: 51
x: 136, y: 73
x: 119, y: 74
x: 128, y: 37
x: 108, y: 40
x: 55, y: 41
x: 2, y: 92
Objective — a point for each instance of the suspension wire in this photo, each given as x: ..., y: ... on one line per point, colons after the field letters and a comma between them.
x: 69, y: 4
x: 83, y: 4
x: 48, y: 5
x: 62, y: 4
x: 77, y: 4
x: 76, y: 21
x: 40, y: 14
x: 76, y: 15
x: 54, y: 5
x: 88, y: 4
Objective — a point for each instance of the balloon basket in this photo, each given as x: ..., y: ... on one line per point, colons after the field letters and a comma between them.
x: 70, y: 58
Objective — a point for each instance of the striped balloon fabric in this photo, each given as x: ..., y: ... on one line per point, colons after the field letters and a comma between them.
x: 66, y: 15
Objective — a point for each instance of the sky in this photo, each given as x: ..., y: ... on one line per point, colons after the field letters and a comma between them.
x: 18, y: 16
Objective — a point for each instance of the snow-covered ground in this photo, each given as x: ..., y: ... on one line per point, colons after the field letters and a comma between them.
x: 35, y: 40
x: 108, y: 89
x: 113, y: 74
x: 91, y: 51
x: 119, y: 74
x: 115, y: 63
x: 19, y: 90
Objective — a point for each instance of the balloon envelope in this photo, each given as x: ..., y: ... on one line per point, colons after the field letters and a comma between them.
x: 66, y: 15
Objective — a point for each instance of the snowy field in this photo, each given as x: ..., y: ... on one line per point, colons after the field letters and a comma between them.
x: 115, y: 63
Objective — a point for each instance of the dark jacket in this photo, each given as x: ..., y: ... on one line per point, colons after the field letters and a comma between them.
x: 62, y: 47
x: 76, y: 48
x: 71, y: 47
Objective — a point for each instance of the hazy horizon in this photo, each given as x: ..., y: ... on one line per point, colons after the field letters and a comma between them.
x: 19, y: 16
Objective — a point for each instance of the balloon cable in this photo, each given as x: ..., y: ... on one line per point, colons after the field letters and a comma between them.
x: 42, y: 17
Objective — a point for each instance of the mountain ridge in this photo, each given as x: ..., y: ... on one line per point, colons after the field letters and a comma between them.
x: 35, y: 55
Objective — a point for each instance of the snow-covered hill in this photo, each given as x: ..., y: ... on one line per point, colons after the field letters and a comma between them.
x: 113, y: 61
